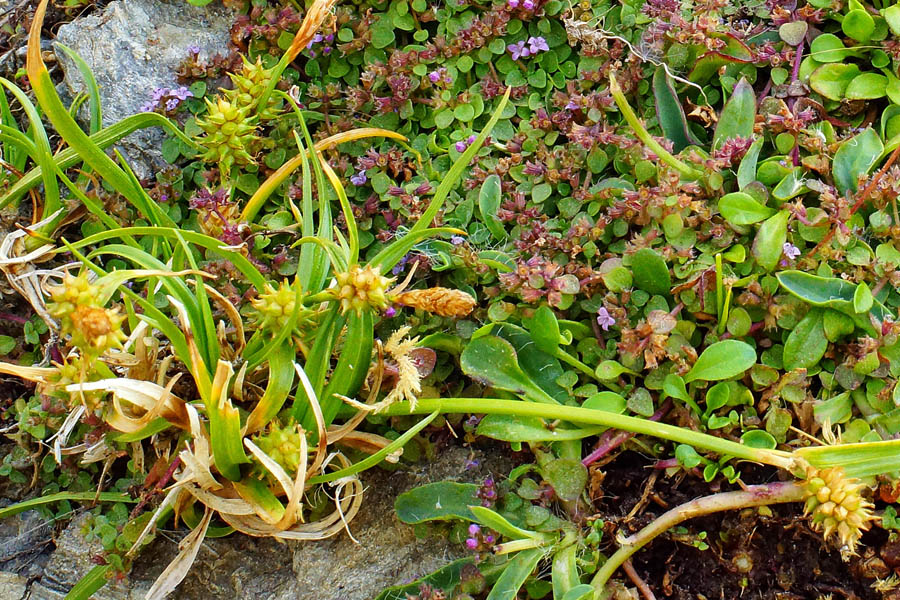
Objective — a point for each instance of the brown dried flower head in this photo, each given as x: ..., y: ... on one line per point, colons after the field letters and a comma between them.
x: 445, y: 302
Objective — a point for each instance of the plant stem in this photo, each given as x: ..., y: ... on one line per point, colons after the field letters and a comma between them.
x: 639, y: 583
x: 572, y: 361
x: 589, y: 416
x: 642, y: 134
x: 517, y: 545
x: 754, y: 495
x: 611, y: 440
x: 720, y: 293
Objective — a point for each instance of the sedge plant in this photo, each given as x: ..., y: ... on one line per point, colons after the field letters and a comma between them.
x: 253, y: 438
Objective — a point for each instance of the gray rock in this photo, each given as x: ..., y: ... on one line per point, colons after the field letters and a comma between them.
x: 133, y: 47
x: 71, y: 560
x: 12, y: 586
x: 239, y: 566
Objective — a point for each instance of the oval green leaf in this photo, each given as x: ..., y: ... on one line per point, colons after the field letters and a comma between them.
x: 650, y: 272
x: 831, y: 80
x: 768, y: 245
x: 437, y: 502
x: 854, y: 158
x: 489, y: 204
x: 740, y: 208
x: 738, y: 115
x: 722, y: 360
x: 867, y: 86
x: 806, y: 343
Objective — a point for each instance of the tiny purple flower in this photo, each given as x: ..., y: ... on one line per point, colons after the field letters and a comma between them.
x: 604, y: 319
x: 518, y: 50
x: 183, y: 93
x: 489, y: 539
x: 171, y: 104
x: 158, y: 93
x: 329, y: 38
x: 193, y: 49
x: 472, y: 544
x: 528, y: 5
x: 513, y: 3
x: 390, y: 311
x: 461, y: 146
x: 538, y: 44
x: 474, y: 529
x: 318, y: 38
x: 457, y: 240
x: 572, y: 105
x: 434, y: 76
x: 471, y: 139
x: 398, y: 268
x: 359, y: 178
x: 791, y: 251
x: 312, y: 53
x: 326, y: 50
x: 148, y: 107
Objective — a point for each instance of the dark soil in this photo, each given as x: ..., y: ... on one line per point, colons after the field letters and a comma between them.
x: 750, y: 555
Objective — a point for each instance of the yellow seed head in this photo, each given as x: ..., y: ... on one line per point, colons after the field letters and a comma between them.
x: 249, y: 85
x: 282, y: 444
x: 230, y: 133
x: 275, y: 306
x: 362, y: 287
x: 837, y: 506
x: 77, y: 304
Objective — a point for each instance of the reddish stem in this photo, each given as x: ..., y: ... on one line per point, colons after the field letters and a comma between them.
x: 13, y: 318
x: 613, y: 438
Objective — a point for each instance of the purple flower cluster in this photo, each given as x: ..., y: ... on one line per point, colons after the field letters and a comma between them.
x: 478, y: 540
x: 318, y: 39
x: 487, y: 493
x: 526, y: 4
x: 529, y: 47
x: 463, y: 144
x: 167, y: 99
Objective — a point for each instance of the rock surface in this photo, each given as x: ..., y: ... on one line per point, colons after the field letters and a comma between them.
x: 133, y: 47
x: 24, y: 541
x: 239, y: 566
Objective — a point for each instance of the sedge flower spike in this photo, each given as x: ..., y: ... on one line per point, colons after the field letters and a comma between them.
x: 837, y: 507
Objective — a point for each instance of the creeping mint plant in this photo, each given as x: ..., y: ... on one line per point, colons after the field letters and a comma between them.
x: 650, y: 237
